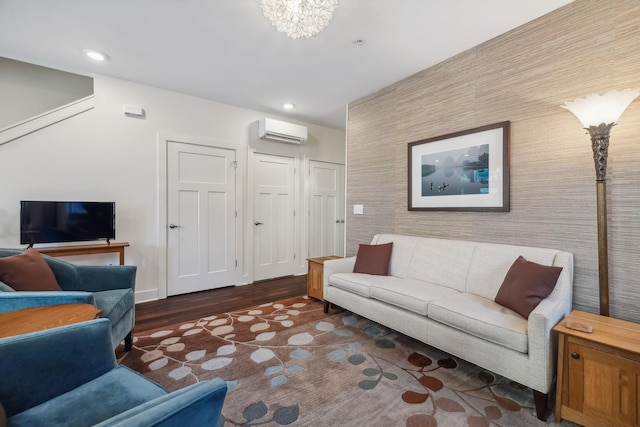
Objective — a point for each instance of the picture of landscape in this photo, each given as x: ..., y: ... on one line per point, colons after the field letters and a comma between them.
x: 456, y: 172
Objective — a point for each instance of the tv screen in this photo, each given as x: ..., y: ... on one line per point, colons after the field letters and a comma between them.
x: 53, y: 222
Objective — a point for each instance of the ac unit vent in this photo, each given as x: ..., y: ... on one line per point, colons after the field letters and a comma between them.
x: 276, y: 130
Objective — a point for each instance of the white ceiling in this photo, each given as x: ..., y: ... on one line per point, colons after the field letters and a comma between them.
x: 226, y: 50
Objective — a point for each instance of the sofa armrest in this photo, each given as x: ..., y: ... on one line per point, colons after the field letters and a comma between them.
x: 198, y: 405
x: 340, y: 265
x: 550, y: 311
x: 12, y: 301
x: 96, y: 278
x: 39, y: 366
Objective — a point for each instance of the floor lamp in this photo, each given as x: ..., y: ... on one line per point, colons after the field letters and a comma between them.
x: 598, y: 114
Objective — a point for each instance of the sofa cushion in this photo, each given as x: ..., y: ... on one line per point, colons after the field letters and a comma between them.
x: 112, y: 393
x: 28, y: 271
x: 114, y: 303
x: 526, y: 284
x: 443, y: 262
x: 490, y: 263
x: 373, y: 259
x: 483, y: 318
x: 410, y: 294
x: 359, y: 284
x: 403, y: 249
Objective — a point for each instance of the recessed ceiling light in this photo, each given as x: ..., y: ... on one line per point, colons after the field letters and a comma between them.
x: 288, y: 106
x: 95, y: 55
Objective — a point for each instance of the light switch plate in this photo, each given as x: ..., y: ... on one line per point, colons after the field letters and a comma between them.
x: 358, y: 209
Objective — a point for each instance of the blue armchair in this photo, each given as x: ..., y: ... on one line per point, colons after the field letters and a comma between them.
x: 110, y: 288
x: 68, y: 377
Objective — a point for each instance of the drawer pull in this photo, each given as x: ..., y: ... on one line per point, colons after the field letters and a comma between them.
x: 575, y: 355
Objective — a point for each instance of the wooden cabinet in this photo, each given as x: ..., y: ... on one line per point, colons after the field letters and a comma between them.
x: 598, y: 372
x: 315, y: 276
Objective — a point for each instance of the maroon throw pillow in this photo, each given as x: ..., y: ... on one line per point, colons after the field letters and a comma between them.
x: 373, y: 259
x: 526, y: 284
x: 28, y: 271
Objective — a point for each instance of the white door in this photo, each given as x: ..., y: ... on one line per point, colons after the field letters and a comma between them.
x: 201, y: 186
x: 274, y: 216
x: 326, y: 209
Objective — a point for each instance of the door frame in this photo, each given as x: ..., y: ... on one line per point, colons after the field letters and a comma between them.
x: 161, y: 223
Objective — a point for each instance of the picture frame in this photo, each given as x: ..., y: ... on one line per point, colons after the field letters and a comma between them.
x: 461, y: 171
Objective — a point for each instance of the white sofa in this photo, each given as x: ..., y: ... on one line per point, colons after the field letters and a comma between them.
x: 442, y: 292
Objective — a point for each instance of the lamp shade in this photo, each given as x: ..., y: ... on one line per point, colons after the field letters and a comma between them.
x: 595, y: 109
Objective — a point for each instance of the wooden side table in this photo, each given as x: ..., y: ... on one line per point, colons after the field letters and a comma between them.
x: 315, y: 275
x: 40, y: 318
x: 598, y: 372
x: 100, y: 248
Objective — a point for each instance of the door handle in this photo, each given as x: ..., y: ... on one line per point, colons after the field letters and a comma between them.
x: 342, y: 221
x: 257, y: 223
x: 337, y: 221
x: 173, y: 226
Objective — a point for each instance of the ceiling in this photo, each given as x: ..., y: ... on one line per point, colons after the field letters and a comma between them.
x: 227, y: 51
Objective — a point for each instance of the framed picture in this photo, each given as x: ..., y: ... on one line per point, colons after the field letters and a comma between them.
x: 462, y: 171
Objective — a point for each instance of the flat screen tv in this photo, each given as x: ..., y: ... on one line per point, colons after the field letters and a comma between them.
x: 54, y: 222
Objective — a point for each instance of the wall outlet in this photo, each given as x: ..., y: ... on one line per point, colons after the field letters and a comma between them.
x: 358, y: 209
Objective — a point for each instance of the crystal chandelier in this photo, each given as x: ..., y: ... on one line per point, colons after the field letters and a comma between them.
x: 299, y: 18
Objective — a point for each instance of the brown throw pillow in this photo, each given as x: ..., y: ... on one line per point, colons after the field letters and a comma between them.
x: 373, y: 259
x: 525, y: 285
x: 28, y: 272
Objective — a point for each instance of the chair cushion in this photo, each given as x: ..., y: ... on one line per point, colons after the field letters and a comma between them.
x: 28, y: 271
x: 483, y: 318
x: 114, y: 303
x: 108, y: 395
x: 525, y: 285
x: 373, y: 259
x: 6, y: 288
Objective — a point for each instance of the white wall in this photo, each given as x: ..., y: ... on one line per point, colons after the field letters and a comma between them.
x: 38, y: 89
x: 103, y: 155
x: 522, y: 76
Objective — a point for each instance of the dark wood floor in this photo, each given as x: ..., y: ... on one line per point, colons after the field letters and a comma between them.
x: 182, y: 308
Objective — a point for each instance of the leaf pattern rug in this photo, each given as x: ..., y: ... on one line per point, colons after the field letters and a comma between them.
x: 288, y: 363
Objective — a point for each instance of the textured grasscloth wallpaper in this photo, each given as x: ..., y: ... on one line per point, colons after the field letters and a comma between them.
x: 522, y: 76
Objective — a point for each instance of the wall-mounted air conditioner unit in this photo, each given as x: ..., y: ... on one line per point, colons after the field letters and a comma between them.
x: 275, y: 130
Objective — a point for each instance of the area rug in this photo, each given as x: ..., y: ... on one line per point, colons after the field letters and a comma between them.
x: 288, y: 363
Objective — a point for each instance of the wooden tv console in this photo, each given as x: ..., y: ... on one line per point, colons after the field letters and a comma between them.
x: 100, y: 248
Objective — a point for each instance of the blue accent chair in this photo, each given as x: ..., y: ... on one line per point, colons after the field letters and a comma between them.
x: 110, y: 288
x: 68, y: 377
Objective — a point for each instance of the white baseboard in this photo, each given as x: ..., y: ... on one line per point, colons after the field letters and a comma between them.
x: 146, y: 296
